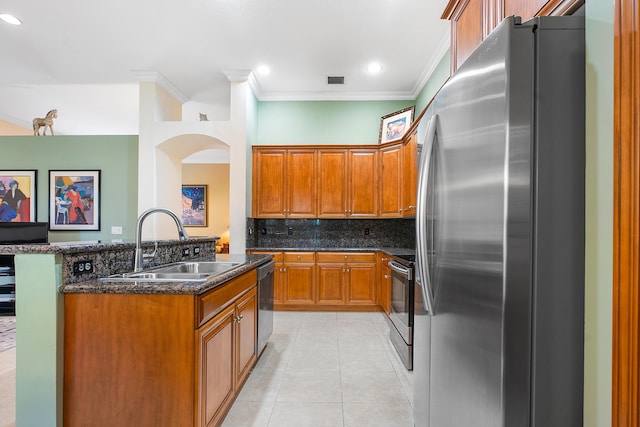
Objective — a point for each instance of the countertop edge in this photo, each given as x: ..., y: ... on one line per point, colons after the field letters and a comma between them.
x: 95, y: 286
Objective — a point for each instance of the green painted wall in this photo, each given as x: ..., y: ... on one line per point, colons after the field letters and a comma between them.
x: 115, y: 156
x: 599, y: 212
x: 323, y: 122
x: 436, y: 80
x: 39, y: 340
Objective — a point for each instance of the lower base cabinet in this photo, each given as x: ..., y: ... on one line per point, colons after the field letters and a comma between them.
x: 134, y: 360
x: 312, y: 281
x: 226, y: 353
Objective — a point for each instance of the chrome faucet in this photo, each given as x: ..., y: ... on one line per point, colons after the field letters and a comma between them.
x: 140, y: 256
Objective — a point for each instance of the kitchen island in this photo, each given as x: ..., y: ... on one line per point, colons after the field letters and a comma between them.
x: 94, y: 353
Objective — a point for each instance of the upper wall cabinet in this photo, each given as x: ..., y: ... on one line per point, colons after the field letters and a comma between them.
x: 473, y: 20
x: 284, y: 183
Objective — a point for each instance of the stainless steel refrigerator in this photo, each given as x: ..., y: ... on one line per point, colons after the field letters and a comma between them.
x: 498, y: 332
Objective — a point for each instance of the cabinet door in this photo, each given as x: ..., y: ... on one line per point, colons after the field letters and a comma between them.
x: 269, y: 200
x: 384, y: 284
x: 298, y: 283
x: 363, y: 183
x: 331, y: 283
x: 391, y: 181
x: 362, y: 284
x: 410, y: 175
x: 301, y: 182
x: 278, y: 280
x: 215, y: 385
x: 467, y: 28
x: 246, y: 334
x: 332, y: 180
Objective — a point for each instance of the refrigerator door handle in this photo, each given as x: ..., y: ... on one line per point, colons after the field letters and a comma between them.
x: 422, y: 264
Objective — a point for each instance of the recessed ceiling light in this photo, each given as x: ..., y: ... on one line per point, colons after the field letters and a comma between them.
x: 10, y: 19
x: 263, y: 70
x: 374, y: 68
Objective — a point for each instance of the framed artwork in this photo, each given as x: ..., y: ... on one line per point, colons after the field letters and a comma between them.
x: 74, y: 200
x: 18, y: 195
x: 194, y: 205
x: 393, y: 126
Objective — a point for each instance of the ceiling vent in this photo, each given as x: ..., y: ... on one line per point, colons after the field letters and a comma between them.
x: 335, y: 80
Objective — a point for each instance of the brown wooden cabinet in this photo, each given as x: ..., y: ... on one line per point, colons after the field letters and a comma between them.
x: 299, y: 278
x: 410, y: 175
x: 384, y: 282
x: 177, y: 360
x: 216, y: 382
x: 363, y: 183
x: 473, y: 20
x: 391, y: 181
x: 347, y: 183
x: 331, y: 283
x: 346, y: 278
x: 326, y: 280
x: 284, y: 183
x: 226, y: 352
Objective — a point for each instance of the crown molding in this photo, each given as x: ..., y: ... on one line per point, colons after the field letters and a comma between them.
x: 336, y: 96
x: 441, y: 50
x: 162, y: 81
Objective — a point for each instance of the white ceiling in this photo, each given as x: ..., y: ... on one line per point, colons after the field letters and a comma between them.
x: 81, y: 57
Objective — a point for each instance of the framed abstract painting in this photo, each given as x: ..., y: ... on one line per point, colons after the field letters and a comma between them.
x: 18, y: 195
x: 74, y: 200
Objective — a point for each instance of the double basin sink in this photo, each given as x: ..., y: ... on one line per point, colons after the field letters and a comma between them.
x: 186, y: 271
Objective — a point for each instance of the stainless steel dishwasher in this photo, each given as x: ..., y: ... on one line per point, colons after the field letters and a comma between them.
x: 265, y: 304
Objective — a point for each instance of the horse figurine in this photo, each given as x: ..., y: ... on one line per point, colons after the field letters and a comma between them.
x: 47, y: 122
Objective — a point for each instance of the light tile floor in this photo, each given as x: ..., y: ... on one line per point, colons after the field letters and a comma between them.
x: 318, y: 369
x: 326, y: 369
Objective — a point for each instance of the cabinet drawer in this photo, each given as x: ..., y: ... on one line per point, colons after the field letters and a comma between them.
x: 277, y: 256
x: 299, y: 257
x: 214, y: 301
x: 346, y: 257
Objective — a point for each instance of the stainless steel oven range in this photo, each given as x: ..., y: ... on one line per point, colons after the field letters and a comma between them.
x: 402, y: 310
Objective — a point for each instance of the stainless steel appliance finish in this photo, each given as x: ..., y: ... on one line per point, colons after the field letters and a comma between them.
x: 265, y: 304
x: 401, y: 313
x: 498, y: 331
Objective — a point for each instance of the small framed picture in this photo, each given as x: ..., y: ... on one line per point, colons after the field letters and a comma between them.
x: 18, y: 195
x: 194, y: 205
x: 74, y: 200
x: 393, y: 126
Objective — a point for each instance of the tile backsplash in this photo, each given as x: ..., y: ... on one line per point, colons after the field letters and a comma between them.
x: 330, y: 233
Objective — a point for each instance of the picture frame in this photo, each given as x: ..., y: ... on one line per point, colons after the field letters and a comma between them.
x: 19, y: 204
x: 394, y: 126
x: 74, y: 200
x: 194, y: 205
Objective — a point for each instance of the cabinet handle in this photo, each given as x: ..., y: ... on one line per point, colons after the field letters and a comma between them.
x: 412, y: 207
x: 345, y: 257
x: 386, y: 276
x: 239, y: 318
x: 298, y: 257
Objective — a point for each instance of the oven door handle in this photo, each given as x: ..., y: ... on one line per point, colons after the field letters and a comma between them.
x: 397, y: 267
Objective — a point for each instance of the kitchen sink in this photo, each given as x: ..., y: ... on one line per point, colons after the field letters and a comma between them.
x: 187, y: 271
x: 204, y: 267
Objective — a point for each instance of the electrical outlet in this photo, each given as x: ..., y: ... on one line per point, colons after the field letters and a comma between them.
x: 196, y: 250
x: 185, y: 252
x: 83, y: 267
x: 290, y: 231
x: 366, y: 231
x: 116, y: 230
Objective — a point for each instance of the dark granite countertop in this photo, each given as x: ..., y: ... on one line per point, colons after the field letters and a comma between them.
x: 95, y: 286
x: 91, y: 246
x: 389, y: 251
